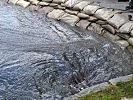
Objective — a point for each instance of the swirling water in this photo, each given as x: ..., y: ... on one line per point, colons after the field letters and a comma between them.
x: 44, y: 59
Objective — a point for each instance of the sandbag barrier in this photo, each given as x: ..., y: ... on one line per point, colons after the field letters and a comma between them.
x: 109, y: 23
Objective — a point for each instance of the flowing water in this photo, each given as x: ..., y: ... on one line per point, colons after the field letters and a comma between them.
x: 42, y: 59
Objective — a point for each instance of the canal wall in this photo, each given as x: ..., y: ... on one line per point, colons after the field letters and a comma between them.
x: 107, y: 22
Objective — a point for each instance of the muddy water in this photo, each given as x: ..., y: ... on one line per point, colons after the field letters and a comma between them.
x: 44, y: 59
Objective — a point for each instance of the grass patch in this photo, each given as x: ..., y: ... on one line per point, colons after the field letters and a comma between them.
x: 112, y: 93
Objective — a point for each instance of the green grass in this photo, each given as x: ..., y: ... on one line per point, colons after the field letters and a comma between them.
x: 112, y: 93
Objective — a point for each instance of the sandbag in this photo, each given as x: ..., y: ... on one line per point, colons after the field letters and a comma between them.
x: 131, y: 33
x: 91, y: 9
x: 61, y: 7
x: 123, y: 43
x: 35, y: 2
x: 109, y: 28
x: 83, y: 24
x: 58, y: 1
x: 117, y: 20
x: 43, y: 3
x: 47, y: 1
x: 105, y: 13
x: 101, y: 22
x: 111, y: 37
x: 81, y: 5
x: 130, y: 49
x: 123, y: 35
x: 33, y: 8
x: 70, y: 19
x: 13, y: 1
x: 45, y: 10
x: 95, y: 28
x: 92, y: 19
x: 53, y: 4
x: 56, y: 13
x: 82, y: 15
x: 127, y: 27
x: 23, y: 3
x: 71, y: 3
x: 72, y: 12
x: 130, y: 40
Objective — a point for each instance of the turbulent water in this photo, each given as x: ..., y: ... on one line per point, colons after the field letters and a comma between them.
x: 44, y: 59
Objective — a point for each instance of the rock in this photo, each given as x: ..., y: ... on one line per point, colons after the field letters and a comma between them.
x: 45, y: 10
x: 56, y: 13
x: 81, y: 5
x: 121, y: 79
x: 130, y: 49
x: 127, y: 27
x: 23, y: 3
x: 111, y: 36
x: 33, y: 8
x: 109, y: 28
x: 72, y: 3
x: 83, y: 24
x: 70, y: 19
x: 117, y: 20
x: 130, y: 40
x: 72, y: 12
x: 123, y: 43
x: 35, y: 2
x: 91, y: 9
x: 13, y: 1
x: 82, y: 15
x: 43, y: 3
x: 58, y: 1
x: 105, y: 13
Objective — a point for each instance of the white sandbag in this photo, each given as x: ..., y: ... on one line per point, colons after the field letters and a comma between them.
x: 43, y: 3
x: 23, y: 3
x: 81, y: 5
x: 131, y: 33
x: 92, y: 19
x: 70, y: 19
x: 56, y: 13
x: 101, y: 22
x: 105, y: 13
x: 95, y: 28
x: 47, y: 1
x: 13, y: 1
x: 82, y: 15
x: 71, y: 12
x: 58, y: 1
x: 45, y: 10
x: 109, y: 28
x: 130, y: 40
x: 117, y: 20
x: 53, y: 5
x: 71, y: 3
x: 124, y: 36
x: 83, y: 24
x: 127, y: 27
x: 34, y: 1
x: 123, y: 43
x: 111, y: 36
x: 91, y: 9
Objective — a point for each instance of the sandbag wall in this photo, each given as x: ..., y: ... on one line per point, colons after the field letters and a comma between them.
x: 109, y: 23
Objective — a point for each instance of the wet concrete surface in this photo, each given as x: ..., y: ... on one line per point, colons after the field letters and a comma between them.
x: 44, y: 59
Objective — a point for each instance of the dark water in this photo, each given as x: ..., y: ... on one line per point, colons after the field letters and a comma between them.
x: 44, y: 59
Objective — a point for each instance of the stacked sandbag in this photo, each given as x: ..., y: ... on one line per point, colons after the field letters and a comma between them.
x: 109, y: 23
